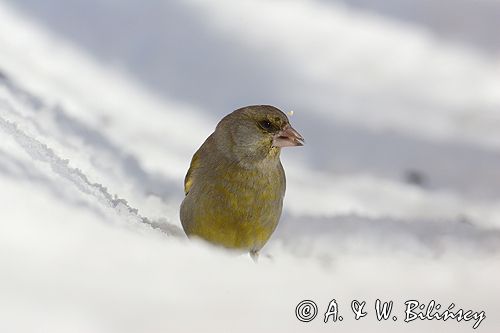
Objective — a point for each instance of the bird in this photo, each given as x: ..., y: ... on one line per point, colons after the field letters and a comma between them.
x: 235, y: 185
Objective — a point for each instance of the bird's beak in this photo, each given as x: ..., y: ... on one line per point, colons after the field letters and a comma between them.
x: 288, y: 137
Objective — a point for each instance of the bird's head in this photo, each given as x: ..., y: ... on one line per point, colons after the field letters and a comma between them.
x: 256, y: 132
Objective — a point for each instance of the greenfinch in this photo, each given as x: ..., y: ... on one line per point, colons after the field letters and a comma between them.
x: 235, y: 184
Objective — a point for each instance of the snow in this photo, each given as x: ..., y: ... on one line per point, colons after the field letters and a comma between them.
x: 395, y: 196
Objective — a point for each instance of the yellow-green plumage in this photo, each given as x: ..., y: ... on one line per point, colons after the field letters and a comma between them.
x: 236, y: 184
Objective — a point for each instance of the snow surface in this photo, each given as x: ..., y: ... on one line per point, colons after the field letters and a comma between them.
x: 395, y: 196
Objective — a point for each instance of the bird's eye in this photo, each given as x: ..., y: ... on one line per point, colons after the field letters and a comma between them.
x: 265, y: 124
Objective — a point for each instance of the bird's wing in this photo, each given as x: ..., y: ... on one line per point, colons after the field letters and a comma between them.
x: 196, y: 163
x: 188, y: 181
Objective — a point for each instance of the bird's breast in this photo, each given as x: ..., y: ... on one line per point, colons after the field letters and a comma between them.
x: 236, y: 207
